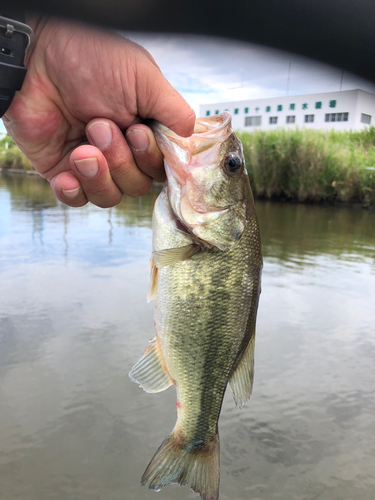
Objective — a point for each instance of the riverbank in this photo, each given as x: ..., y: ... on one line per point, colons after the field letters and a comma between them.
x: 309, y: 165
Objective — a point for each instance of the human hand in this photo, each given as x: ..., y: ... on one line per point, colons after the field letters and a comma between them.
x: 83, y: 87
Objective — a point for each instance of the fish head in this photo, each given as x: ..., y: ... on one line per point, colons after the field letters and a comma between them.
x: 207, y: 179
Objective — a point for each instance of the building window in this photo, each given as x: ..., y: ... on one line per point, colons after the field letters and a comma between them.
x: 279, y: 107
x: 253, y: 121
x: 273, y: 120
x: 304, y: 105
x: 207, y: 113
x: 292, y: 106
x: 318, y: 105
x: 257, y: 109
x: 342, y: 117
x: 291, y: 119
x: 217, y: 112
x: 309, y: 118
x: 337, y: 117
x: 332, y: 104
x: 246, y: 110
x: 366, y: 119
x: 236, y: 111
x: 268, y: 109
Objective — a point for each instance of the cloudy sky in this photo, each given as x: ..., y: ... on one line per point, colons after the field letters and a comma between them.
x: 207, y: 70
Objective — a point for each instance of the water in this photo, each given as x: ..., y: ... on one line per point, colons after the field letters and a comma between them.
x: 74, y: 319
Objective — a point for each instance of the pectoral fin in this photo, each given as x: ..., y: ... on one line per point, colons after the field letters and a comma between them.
x: 171, y: 256
x: 150, y: 371
x: 153, y: 280
x: 241, y: 382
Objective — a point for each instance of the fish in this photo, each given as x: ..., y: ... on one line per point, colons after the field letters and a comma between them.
x: 205, y: 279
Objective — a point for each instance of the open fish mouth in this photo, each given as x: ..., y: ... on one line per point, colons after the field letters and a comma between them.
x: 208, y: 132
x: 193, y: 165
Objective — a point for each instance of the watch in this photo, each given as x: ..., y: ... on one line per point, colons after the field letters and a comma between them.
x: 15, y: 37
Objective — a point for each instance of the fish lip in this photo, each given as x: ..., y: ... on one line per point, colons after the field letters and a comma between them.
x: 213, y: 124
x: 219, y: 123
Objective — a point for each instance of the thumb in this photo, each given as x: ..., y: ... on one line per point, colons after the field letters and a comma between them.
x: 164, y: 104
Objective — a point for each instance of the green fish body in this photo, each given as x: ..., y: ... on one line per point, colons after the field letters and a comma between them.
x: 205, y: 279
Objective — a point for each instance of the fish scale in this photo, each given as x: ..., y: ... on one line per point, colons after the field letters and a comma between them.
x: 205, y: 279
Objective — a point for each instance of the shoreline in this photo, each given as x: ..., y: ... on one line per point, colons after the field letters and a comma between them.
x: 354, y: 204
x: 18, y: 171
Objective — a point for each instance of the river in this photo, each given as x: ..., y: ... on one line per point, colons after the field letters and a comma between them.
x: 74, y: 320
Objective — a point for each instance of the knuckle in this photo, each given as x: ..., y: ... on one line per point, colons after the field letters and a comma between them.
x: 120, y: 167
x: 142, y: 190
x: 190, y: 117
x: 108, y: 201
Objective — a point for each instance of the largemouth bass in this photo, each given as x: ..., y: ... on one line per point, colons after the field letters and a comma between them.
x: 205, y: 279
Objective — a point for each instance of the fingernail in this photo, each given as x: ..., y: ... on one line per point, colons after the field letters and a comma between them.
x: 100, y: 134
x: 71, y: 193
x: 88, y: 167
x: 138, y: 140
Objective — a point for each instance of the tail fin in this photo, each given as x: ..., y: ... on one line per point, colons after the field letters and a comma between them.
x: 177, y: 464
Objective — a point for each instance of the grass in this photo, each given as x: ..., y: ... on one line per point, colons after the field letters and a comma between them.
x: 312, y: 165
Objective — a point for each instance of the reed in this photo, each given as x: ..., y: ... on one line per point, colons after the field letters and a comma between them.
x: 312, y: 165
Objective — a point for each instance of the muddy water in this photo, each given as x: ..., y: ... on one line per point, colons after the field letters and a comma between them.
x: 74, y: 319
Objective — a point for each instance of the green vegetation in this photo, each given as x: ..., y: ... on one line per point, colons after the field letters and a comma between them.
x: 12, y: 158
x: 302, y: 164
x: 312, y: 165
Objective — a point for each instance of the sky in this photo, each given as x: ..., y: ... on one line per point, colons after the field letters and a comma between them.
x: 207, y: 70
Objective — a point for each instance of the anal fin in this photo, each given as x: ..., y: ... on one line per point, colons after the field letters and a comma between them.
x: 241, y: 382
x: 150, y: 371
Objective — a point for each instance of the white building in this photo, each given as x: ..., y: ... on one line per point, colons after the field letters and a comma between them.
x: 344, y: 110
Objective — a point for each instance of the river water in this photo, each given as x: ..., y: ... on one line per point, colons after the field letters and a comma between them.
x: 74, y: 319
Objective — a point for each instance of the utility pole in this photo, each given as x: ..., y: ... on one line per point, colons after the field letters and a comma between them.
x: 288, y: 80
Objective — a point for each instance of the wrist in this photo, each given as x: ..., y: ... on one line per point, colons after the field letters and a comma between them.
x: 33, y: 20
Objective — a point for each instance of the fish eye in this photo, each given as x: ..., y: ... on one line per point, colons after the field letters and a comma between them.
x: 233, y: 163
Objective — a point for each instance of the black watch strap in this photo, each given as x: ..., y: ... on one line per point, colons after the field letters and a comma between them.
x: 15, y: 37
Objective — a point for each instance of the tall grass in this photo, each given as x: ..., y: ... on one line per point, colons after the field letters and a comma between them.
x: 312, y: 165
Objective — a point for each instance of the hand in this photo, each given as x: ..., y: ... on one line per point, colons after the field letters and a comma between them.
x: 83, y: 87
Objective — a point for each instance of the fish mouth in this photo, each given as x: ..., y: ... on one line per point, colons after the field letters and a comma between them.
x: 213, y: 124
x: 208, y: 131
x: 182, y: 154
x: 184, y: 157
